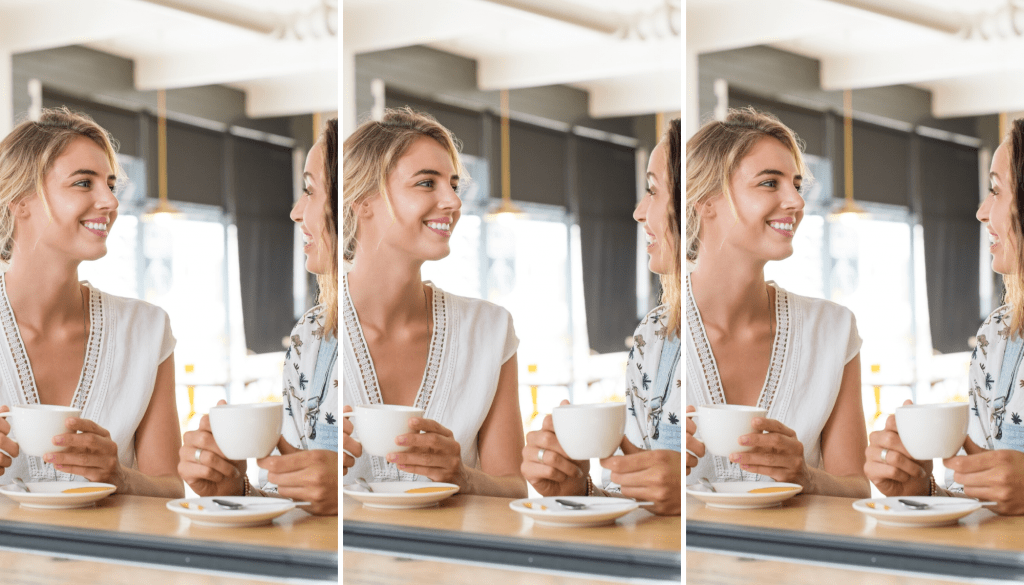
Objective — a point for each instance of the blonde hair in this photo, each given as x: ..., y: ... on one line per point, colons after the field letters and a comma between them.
x: 671, y: 283
x: 328, y: 281
x: 1014, y: 283
x: 373, y: 151
x: 715, y: 152
x: 28, y: 153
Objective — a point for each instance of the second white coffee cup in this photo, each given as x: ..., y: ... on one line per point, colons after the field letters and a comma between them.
x: 589, y: 431
x: 932, y: 431
x: 720, y: 426
x: 244, y: 431
x: 33, y: 426
x: 378, y: 425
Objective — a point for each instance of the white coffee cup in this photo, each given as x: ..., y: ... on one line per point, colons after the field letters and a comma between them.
x: 933, y: 431
x: 245, y: 431
x: 721, y: 425
x: 589, y: 431
x: 34, y: 426
x: 378, y: 425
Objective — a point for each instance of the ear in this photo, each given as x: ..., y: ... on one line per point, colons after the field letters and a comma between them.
x: 363, y: 209
x: 708, y: 208
x: 20, y: 208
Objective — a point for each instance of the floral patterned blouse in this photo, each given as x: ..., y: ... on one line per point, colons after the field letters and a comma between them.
x: 652, y: 395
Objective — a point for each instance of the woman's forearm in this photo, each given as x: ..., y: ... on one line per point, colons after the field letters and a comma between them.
x: 136, y: 483
x: 825, y: 484
x: 505, y: 486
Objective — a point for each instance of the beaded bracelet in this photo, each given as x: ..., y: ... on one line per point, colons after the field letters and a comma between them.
x: 246, y: 488
x: 590, y: 486
x: 932, y: 488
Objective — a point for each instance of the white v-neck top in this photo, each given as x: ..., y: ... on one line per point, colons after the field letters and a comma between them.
x: 814, y: 340
x: 471, y: 340
x: 128, y: 340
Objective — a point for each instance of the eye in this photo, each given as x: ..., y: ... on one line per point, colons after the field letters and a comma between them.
x: 993, y: 191
x: 429, y: 183
x: 455, y: 187
x: 307, y: 191
x: 650, y: 190
x: 113, y: 189
x: 799, y: 187
x: 771, y: 183
x: 86, y: 183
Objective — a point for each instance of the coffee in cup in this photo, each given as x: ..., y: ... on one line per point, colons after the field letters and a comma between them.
x: 589, y: 431
x: 245, y: 431
x: 378, y: 425
x: 933, y: 431
x: 720, y: 426
x: 33, y: 426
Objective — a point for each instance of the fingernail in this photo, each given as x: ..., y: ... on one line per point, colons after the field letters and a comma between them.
x: 49, y: 458
x: 735, y: 457
x: 744, y: 440
x: 58, y: 440
x: 402, y: 439
x: 392, y: 457
x: 414, y: 421
x: 757, y: 421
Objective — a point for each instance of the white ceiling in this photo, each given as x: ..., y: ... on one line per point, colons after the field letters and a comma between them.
x: 282, y: 54
x: 968, y: 53
x: 626, y: 54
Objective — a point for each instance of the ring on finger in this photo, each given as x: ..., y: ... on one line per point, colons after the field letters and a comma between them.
x: 199, y: 453
x: 540, y: 455
x: 885, y: 453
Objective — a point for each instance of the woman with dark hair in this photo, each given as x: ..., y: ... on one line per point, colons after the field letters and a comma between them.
x: 306, y: 467
x: 991, y: 467
x: 650, y: 464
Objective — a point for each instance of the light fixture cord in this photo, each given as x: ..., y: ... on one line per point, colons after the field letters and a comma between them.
x: 506, y: 156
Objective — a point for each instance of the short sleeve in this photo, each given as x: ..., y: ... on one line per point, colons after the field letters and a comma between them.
x: 168, y: 342
x: 854, y: 342
x: 511, y: 341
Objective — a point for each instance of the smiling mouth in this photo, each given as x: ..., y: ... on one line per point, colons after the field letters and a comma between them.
x: 782, y: 226
x: 96, y: 227
x: 993, y: 239
x: 651, y: 238
x: 445, y: 229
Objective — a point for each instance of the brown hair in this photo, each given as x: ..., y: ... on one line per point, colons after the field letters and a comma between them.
x: 1015, y: 282
x: 328, y: 281
x: 28, y: 153
x: 373, y: 151
x: 671, y: 291
x: 715, y: 152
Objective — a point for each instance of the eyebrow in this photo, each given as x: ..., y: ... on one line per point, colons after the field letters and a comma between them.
x: 90, y: 173
x: 773, y: 172
x: 432, y: 173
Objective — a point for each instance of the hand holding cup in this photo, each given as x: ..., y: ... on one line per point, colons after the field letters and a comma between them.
x: 651, y: 476
x: 993, y: 475
x: 204, y: 467
x: 694, y: 448
x: 88, y: 451
x: 547, y: 467
x: 6, y: 443
x: 352, y: 448
x: 306, y: 475
x: 890, y: 466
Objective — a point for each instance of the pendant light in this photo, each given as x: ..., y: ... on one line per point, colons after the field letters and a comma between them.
x: 163, y: 210
x: 850, y: 209
x: 506, y: 210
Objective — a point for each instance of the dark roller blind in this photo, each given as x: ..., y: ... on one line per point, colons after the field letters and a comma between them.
x: 263, y: 199
x: 881, y: 163
x: 537, y: 165
x: 949, y: 193
x: 195, y: 163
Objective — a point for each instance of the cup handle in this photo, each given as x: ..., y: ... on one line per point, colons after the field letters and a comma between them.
x: 347, y: 414
x: 691, y: 414
x: 6, y: 414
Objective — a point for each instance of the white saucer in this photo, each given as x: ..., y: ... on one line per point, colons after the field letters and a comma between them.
x: 736, y: 494
x: 550, y: 513
x: 203, y: 511
x: 49, y: 495
x: 944, y: 511
x: 392, y: 495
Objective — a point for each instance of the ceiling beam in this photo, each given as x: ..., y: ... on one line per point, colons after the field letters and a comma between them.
x: 391, y: 24
x: 636, y: 95
x: 23, y: 29
x: 293, y: 95
x: 234, y: 64
x: 978, y: 96
x: 922, y: 64
x: 735, y: 24
x: 579, y: 64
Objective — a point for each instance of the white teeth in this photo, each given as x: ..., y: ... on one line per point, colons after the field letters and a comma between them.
x: 992, y: 238
x: 650, y: 238
x: 781, y: 226
x: 444, y: 227
x: 100, y: 227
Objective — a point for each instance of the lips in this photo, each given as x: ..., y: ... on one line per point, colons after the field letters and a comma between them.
x: 441, y: 227
x: 97, y: 227
x: 785, y: 226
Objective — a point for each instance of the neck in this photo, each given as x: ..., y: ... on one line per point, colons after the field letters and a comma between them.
x: 386, y: 295
x: 729, y: 294
x: 43, y: 294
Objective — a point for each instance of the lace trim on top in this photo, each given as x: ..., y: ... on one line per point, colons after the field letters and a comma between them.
x: 27, y: 382
x: 367, y: 372
x: 709, y: 366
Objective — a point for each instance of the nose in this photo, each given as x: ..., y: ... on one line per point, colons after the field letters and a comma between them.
x: 640, y: 213
x: 793, y: 200
x: 107, y: 200
x: 297, y: 209
x: 450, y: 200
x: 986, y: 205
